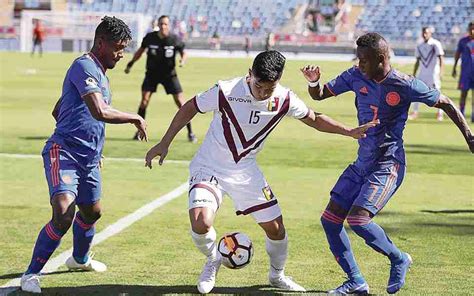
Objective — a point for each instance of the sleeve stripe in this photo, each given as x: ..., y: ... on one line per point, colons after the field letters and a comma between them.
x: 90, y: 92
x: 196, y: 105
x: 307, y: 114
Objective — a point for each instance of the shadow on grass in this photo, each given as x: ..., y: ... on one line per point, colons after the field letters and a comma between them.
x: 461, y: 211
x: 130, y: 290
x: 434, y: 149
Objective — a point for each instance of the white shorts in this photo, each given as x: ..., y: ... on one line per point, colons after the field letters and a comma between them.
x: 249, y: 191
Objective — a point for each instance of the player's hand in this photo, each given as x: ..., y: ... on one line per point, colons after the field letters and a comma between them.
x: 454, y: 74
x: 101, y: 162
x: 359, y: 132
x: 311, y: 73
x: 140, y: 124
x: 127, y: 70
x: 159, y: 149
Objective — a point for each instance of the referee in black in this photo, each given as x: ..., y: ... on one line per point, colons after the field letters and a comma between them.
x: 161, y: 47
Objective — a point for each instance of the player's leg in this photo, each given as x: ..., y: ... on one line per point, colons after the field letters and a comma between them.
x: 472, y: 101
x: 462, y: 101
x: 88, y: 202
x: 276, y: 245
x: 173, y: 87
x: 148, y: 88
x: 62, y: 182
x: 204, y: 200
x: 374, y: 195
x: 343, y: 195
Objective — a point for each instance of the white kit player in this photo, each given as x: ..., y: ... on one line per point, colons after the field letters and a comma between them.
x: 429, y: 59
x: 246, y: 110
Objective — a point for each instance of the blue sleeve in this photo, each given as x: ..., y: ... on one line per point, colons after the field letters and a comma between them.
x: 419, y: 92
x: 83, y: 74
x: 460, y: 45
x: 341, y: 83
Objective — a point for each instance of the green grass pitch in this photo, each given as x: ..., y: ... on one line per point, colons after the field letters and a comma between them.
x: 431, y: 216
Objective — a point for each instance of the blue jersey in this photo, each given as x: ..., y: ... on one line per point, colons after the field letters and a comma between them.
x: 466, y: 50
x: 388, y: 101
x: 77, y: 132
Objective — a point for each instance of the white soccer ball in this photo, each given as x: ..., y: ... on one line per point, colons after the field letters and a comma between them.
x: 236, y: 250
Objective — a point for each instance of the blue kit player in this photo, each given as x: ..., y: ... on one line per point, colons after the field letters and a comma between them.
x: 365, y: 187
x: 465, y: 51
x: 73, y: 153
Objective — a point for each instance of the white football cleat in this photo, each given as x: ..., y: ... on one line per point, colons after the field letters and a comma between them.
x: 207, y: 279
x: 30, y: 283
x: 285, y: 283
x: 90, y: 265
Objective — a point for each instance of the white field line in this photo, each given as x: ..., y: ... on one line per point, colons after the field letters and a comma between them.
x: 106, y: 159
x: 109, y: 231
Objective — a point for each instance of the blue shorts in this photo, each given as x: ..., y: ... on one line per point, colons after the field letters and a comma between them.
x: 466, y: 81
x: 65, y: 174
x: 370, y: 191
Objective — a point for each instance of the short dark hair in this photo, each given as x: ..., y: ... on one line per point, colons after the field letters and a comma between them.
x: 373, y: 41
x: 268, y: 65
x: 426, y: 29
x: 162, y: 17
x: 470, y: 24
x: 113, y: 29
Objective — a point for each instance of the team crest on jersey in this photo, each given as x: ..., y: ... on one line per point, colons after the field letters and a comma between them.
x: 267, y: 191
x: 363, y: 90
x: 66, y: 179
x: 91, y: 81
x: 273, y: 104
x: 392, y: 98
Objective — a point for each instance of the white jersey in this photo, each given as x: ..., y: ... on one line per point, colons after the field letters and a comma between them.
x: 240, y: 124
x: 429, y: 67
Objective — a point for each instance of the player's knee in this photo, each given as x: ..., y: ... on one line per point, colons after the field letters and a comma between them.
x: 201, y: 226
x: 275, y: 229
x: 92, y: 216
x: 330, y: 220
x: 63, y: 222
x: 357, y: 222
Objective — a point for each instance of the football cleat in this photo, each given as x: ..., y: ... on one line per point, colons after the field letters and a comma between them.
x: 285, y: 283
x: 207, y: 279
x: 351, y: 287
x: 90, y: 265
x: 192, y: 138
x: 30, y: 283
x: 398, y: 271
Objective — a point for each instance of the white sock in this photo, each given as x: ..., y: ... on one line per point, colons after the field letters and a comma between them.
x: 206, y: 243
x: 277, y: 250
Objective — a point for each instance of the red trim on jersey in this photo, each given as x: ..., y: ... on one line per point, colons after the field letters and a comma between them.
x: 330, y: 90
x: 257, y: 208
x: 196, y: 105
x: 208, y: 188
x: 228, y: 114
x: 54, y: 158
x: 97, y: 61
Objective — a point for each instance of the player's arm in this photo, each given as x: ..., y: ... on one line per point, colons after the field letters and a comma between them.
x: 103, y: 112
x: 135, y: 58
x: 441, y: 65
x: 184, y: 115
x: 417, y: 64
x: 457, y: 55
x: 313, y: 74
x: 326, y: 124
x: 456, y: 116
x: 184, y: 57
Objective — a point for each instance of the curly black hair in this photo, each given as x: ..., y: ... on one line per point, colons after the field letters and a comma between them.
x: 113, y: 29
x: 268, y: 65
x: 373, y: 41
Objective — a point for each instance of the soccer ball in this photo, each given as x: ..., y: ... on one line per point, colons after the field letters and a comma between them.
x: 236, y: 250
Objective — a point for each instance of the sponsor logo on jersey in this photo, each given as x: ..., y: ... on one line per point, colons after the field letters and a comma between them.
x: 392, y: 98
x: 239, y: 100
x: 363, y: 90
x: 91, y: 81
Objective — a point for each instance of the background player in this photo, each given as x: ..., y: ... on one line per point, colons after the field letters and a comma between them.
x: 366, y: 185
x: 161, y: 47
x: 72, y: 154
x: 38, y: 37
x: 465, y: 51
x: 431, y: 54
x: 246, y: 110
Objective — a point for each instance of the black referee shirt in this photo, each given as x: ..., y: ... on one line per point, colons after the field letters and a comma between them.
x: 161, y: 53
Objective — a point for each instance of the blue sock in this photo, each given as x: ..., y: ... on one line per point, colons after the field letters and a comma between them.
x: 340, y: 245
x: 46, y: 243
x: 374, y: 236
x: 83, y: 234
